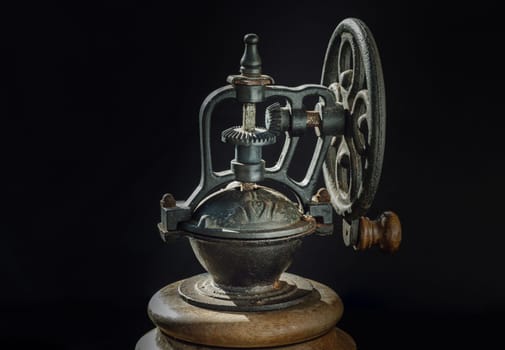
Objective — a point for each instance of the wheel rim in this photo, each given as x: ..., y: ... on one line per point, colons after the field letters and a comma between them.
x: 352, y: 70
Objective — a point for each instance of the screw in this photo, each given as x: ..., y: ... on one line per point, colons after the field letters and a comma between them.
x: 322, y: 196
x: 168, y: 201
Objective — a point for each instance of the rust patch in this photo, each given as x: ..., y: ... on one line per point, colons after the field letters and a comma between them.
x: 313, y: 119
x: 250, y: 81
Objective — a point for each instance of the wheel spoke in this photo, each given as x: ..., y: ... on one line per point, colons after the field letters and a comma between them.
x: 361, y: 122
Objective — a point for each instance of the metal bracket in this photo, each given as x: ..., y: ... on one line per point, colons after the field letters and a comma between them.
x: 210, y: 180
x: 279, y: 172
x: 304, y: 189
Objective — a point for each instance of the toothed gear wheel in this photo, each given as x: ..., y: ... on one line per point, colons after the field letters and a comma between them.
x: 277, y: 118
x: 238, y: 136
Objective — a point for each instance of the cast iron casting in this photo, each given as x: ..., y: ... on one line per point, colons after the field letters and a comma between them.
x: 245, y: 234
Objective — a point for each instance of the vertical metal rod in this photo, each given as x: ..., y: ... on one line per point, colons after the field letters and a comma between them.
x: 249, y: 117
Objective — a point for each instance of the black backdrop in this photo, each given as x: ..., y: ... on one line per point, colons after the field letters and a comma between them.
x: 100, y: 119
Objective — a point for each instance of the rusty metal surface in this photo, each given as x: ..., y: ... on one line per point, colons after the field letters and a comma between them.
x: 246, y: 239
x: 313, y: 119
x: 249, y: 116
x: 261, y: 213
x: 245, y: 263
x: 322, y: 196
x: 286, y: 291
x: 168, y: 201
x: 250, y: 81
x: 299, y: 323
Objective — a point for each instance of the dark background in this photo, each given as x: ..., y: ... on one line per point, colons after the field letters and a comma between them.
x: 100, y: 119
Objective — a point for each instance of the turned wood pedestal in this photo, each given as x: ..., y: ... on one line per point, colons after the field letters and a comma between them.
x: 310, y: 325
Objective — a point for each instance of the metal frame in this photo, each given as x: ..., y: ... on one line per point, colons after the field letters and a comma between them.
x: 305, y: 189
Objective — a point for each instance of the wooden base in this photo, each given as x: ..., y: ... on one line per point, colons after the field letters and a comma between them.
x: 333, y: 340
x: 309, y: 325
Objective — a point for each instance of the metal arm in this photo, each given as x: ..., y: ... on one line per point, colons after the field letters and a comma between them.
x: 332, y: 114
x: 209, y: 179
x: 172, y: 212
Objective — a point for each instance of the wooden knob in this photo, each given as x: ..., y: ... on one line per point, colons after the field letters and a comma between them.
x: 385, y: 231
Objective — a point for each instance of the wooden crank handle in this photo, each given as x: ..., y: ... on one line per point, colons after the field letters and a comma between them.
x: 385, y: 231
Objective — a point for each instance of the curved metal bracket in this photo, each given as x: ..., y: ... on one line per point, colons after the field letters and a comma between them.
x: 209, y: 179
x: 306, y: 188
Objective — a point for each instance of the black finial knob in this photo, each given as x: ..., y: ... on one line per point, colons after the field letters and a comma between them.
x: 250, y: 63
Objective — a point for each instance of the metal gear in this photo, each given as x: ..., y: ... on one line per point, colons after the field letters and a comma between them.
x: 238, y: 136
x: 277, y: 118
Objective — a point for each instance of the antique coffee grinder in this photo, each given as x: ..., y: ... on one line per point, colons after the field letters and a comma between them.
x: 245, y: 234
